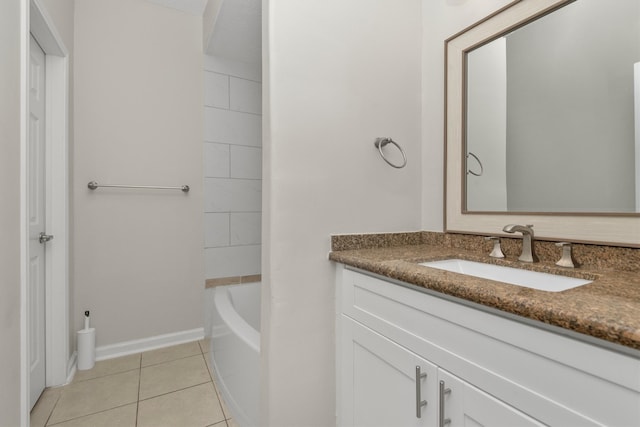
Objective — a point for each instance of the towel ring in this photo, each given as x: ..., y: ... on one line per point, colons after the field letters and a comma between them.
x: 469, y: 171
x: 381, y: 142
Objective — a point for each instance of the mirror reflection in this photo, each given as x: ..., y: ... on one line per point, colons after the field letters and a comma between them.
x: 553, y: 114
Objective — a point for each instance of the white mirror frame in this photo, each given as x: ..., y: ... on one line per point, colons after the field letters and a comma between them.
x: 588, y: 228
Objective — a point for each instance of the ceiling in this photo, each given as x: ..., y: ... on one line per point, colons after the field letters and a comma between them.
x: 237, y: 30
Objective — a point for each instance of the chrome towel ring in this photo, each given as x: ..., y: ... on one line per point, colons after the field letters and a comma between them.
x: 469, y: 171
x: 381, y: 142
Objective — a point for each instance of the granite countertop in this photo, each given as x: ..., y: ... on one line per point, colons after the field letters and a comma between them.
x: 608, y: 308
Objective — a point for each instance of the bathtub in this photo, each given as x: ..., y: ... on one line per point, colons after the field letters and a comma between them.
x: 235, y: 349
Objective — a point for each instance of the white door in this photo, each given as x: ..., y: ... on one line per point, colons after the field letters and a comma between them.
x: 36, y: 211
x: 468, y: 406
x: 380, y: 383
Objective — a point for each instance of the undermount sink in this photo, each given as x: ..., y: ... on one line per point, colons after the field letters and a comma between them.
x: 515, y: 276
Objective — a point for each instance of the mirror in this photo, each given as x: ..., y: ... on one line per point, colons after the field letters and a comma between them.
x: 521, y: 144
x: 550, y: 113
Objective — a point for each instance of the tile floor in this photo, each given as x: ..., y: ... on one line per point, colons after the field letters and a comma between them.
x: 169, y: 387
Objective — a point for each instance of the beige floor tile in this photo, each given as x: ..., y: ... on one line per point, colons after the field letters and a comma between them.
x: 205, y: 345
x: 232, y: 423
x: 41, y: 412
x: 217, y: 388
x: 109, y: 367
x: 171, y: 376
x: 124, y: 416
x: 167, y: 354
x: 225, y: 409
x: 193, y: 407
x: 96, y: 395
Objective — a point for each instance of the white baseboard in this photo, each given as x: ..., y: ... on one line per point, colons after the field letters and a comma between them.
x: 126, y: 348
x: 72, y: 365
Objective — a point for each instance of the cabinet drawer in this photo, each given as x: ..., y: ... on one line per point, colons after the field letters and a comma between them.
x: 556, y: 379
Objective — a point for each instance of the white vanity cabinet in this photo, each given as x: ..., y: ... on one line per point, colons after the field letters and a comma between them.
x: 494, y: 371
x: 380, y: 381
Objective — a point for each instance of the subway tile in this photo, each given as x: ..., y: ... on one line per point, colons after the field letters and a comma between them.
x: 232, y: 195
x: 245, y: 228
x: 216, y: 160
x: 245, y: 95
x: 232, y: 67
x: 232, y: 127
x: 246, y: 162
x: 216, y: 90
x: 232, y: 261
x: 216, y: 230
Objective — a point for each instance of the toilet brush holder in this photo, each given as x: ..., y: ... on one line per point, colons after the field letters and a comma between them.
x: 86, y: 348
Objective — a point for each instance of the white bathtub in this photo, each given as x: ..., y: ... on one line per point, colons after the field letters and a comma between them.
x: 235, y: 349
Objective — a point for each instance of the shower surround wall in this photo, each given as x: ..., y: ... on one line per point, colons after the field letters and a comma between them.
x: 232, y: 168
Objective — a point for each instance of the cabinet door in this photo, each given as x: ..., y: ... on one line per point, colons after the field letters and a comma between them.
x: 378, y: 381
x: 466, y: 405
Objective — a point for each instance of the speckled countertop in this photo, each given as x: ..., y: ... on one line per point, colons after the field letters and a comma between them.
x: 608, y: 308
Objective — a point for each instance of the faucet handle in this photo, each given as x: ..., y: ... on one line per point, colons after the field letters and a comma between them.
x: 496, y: 252
x: 567, y: 257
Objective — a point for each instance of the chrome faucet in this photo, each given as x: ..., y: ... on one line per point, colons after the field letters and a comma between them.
x: 528, y: 254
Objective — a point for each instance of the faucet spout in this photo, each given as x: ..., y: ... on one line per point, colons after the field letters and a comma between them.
x: 528, y: 254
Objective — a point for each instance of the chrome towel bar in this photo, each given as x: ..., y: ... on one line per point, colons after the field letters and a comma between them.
x: 94, y: 185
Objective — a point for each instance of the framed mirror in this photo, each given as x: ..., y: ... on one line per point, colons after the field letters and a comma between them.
x: 543, y: 121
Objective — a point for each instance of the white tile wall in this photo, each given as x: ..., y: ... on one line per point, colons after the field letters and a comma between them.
x: 232, y: 195
x: 216, y: 90
x: 232, y: 127
x: 232, y: 168
x: 245, y: 95
x: 246, y: 162
x: 216, y: 230
x: 245, y: 228
x: 232, y: 261
x: 216, y: 160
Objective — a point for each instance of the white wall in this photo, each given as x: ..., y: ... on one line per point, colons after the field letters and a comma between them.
x: 10, y: 269
x: 440, y: 20
x: 138, y: 120
x: 338, y: 74
x: 232, y: 167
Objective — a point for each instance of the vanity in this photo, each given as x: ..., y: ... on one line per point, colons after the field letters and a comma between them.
x: 540, y: 129
x: 427, y: 347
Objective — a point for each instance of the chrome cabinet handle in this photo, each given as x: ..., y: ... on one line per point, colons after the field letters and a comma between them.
x: 44, y: 238
x: 419, y: 402
x: 442, y: 421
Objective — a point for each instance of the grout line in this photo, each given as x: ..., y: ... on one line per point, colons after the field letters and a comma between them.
x: 54, y: 407
x: 172, y: 360
x: 104, y: 375
x: 229, y: 91
x: 215, y: 389
x: 139, y: 386
x: 91, y: 414
x: 177, y: 390
x: 232, y: 144
x: 232, y: 110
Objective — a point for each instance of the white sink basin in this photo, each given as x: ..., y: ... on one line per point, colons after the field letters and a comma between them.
x: 514, y: 276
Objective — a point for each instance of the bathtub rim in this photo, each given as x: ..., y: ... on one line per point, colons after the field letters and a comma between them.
x: 233, y: 320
